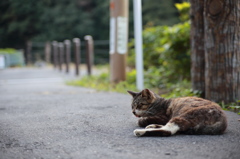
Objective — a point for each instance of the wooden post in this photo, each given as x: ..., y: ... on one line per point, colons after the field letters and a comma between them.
x: 77, y: 43
x: 118, y: 39
x: 47, y: 52
x: 67, y: 53
x: 55, y: 53
x: 89, y: 53
x: 29, y: 53
x: 60, y: 55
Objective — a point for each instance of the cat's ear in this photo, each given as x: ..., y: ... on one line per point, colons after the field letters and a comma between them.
x: 133, y: 94
x: 147, y: 93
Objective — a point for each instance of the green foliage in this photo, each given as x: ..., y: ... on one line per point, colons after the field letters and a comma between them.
x: 235, y: 107
x: 166, y: 53
x: 183, y: 9
x: 47, y: 20
x: 13, y: 57
x: 160, y: 12
x: 180, y: 89
x: 7, y: 51
x: 18, y: 21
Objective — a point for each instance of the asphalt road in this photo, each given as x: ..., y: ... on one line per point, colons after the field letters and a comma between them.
x: 41, y: 117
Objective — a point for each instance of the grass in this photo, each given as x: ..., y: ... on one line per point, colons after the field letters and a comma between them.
x: 102, y: 83
x: 234, y: 107
x: 183, y: 88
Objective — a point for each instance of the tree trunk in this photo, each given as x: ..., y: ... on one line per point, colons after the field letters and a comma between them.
x: 222, y: 50
x: 197, y: 45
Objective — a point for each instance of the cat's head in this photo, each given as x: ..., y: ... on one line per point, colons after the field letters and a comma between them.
x: 142, y: 102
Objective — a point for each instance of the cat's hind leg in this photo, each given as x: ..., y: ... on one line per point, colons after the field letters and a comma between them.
x: 151, y: 132
x: 153, y: 126
x: 167, y: 130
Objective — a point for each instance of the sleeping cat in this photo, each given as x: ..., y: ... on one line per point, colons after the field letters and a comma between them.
x: 165, y: 117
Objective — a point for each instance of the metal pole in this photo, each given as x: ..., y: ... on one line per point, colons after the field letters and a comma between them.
x: 77, y: 43
x: 89, y: 53
x: 55, y: 50
x: 118, y: 39
x: 137, y: 7
x: 60, y: 47
x: 67, y: 53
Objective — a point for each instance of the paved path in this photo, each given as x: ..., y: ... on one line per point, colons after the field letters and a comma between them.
x: 41, y: 117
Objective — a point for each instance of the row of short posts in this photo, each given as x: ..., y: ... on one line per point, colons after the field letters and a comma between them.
x: 62, y: 52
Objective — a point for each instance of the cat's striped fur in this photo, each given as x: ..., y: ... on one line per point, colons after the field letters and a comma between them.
x: 165, y: 117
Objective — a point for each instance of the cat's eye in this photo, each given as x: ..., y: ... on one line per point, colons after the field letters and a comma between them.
x: 141, y: 106
x: 144, y: 106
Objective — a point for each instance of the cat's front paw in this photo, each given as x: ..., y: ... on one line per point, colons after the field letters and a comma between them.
x: 142, y: 122
x: 153, y: 126
x: 139, y: 132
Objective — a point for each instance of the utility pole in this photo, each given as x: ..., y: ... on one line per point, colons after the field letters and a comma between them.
x: 118, y: 39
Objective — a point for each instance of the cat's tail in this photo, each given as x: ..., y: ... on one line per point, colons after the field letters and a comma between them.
x: 216, y: 128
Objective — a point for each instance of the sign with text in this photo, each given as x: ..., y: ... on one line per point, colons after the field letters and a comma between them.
x: 122, y: 27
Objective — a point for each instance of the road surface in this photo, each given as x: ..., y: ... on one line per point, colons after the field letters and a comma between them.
x: 41, y: 117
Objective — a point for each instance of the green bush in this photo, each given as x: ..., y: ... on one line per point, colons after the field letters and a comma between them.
x: 183, y: 9
x: 7, y: 51
x: 12, y: 57
x: 166, y: 52
x: 235, y: 106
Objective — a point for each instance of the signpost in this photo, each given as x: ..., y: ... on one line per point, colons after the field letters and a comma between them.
x: 118, y: 39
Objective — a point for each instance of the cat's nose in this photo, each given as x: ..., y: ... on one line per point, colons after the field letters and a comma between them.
x: 135, y: 114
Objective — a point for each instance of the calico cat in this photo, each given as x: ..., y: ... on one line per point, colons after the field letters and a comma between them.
x: 166, y: 117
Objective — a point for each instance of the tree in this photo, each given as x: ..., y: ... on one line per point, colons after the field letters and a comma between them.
x: 221, y: 21
x: 16, y: 24
x: 46, y: 20
x: 197, y: 45
x: 159, y: 12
